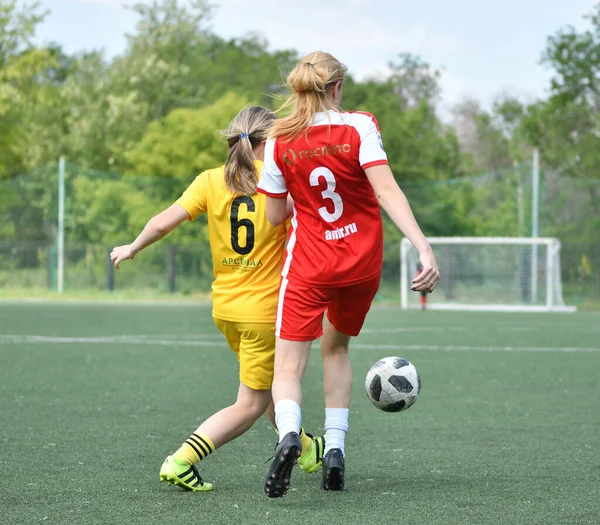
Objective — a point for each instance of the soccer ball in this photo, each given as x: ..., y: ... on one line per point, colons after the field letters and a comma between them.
x: 393, y: 384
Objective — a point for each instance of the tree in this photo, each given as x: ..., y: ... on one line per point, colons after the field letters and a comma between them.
x: 185, y: 142
x: 25, y: 87
x: 414, y: 81
x: 418, y: 144
x: 566, y: 127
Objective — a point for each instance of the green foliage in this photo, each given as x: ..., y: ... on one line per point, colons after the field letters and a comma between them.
x: 186, y: 141
x: 136, y: 129
x: 566, y: 125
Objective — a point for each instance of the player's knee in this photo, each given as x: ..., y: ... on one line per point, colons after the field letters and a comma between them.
x: 289, y: 369
x: 335, y: 350
x: 254, y: 404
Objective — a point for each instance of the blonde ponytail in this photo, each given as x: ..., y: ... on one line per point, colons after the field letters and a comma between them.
x: 311, y: 82
x: 247, y: 130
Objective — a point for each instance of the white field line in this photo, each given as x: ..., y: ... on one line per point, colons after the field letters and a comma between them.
x: 446, y: 329
x: 118, y: 339
x: 452, y: 348
x: 409, y: 329
x: 199, y: 342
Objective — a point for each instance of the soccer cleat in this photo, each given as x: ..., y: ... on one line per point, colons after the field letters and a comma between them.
x: 310, y: 461
x: 285, y: 457
x: 177, y: 472
x: 333, y: 470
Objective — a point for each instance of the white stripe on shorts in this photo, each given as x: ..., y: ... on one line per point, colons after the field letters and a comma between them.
x: 284, y: 272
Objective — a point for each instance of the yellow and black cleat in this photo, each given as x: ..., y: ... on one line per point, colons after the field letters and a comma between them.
x: 177, y: 472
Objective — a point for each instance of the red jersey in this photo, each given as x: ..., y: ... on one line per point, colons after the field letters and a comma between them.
x: 337, y: 234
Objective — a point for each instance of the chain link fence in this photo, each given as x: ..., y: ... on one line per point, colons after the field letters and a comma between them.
x: 103, y: 210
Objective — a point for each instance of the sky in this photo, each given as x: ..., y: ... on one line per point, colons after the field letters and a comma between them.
x: 484, y: 48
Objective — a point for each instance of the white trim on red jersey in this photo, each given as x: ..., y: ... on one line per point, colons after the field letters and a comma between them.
x: 271, y: 182
x: 371, y: 152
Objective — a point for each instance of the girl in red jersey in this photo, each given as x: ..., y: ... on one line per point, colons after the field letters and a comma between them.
x: 333, y: 165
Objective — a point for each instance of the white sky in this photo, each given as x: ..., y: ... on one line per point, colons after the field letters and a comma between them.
x: 483, y: 47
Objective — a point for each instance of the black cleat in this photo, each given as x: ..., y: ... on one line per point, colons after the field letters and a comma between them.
x: 333, y: 470
x: 286, y: 456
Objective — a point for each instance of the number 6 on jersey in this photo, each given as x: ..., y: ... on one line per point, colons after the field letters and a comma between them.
x: 237, y: 223
x: 329, y: 193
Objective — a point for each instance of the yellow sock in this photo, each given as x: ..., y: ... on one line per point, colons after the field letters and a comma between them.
x: 305, y: 440
x: 196, y: 447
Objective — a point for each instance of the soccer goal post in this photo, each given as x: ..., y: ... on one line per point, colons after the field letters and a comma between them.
x: 509, y: 274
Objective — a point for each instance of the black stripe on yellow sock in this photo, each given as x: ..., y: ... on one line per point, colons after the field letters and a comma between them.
x: 205, y: 450
x: 208, y: 446
x: 192, y: 444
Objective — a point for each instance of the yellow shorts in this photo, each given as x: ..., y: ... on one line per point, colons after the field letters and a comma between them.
x: 254, y: 344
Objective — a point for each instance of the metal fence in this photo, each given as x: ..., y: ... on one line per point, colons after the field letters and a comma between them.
x: 103, y: 210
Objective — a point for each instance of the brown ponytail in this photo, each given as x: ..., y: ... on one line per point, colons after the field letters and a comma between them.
x: 310, y: 82
x: 247, y: 130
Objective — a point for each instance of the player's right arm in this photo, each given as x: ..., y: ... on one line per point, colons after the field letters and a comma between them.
x: 192, y: 203
x: 156, y: 228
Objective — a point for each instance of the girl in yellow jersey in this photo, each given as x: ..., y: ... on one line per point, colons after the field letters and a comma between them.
x: 247, y: 254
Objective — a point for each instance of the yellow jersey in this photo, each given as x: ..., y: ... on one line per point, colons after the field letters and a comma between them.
x: 247, y: 251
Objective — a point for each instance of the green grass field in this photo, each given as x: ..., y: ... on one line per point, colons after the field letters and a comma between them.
x: 94, y: 396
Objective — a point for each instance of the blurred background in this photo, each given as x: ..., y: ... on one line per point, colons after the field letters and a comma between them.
x: 131, y: 98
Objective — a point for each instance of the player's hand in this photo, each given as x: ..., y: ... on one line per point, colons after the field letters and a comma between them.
x: 427, y: 280
x: 120, y: 253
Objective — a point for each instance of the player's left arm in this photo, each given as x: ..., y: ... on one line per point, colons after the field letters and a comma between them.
x: 374, y: 162
x: 394, y: 202
x: 289, y: 208
x: 277, y: 210
x: 156, y: 228
x: 272, y: 184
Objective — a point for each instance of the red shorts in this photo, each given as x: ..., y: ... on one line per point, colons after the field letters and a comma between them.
x: 301, y: 308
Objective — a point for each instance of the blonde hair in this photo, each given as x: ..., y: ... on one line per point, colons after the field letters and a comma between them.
x: 311, y: 82
x: 247, y: 130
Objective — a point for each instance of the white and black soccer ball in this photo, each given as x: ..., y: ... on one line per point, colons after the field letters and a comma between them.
x: 393, y: 384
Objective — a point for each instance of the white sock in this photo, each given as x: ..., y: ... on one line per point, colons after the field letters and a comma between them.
x: 287, y: 417
x: 336, y: 426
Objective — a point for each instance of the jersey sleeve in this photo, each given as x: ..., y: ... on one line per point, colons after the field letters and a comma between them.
x: 371, y: 151
x: 194, y: 199
x: 271, y: 182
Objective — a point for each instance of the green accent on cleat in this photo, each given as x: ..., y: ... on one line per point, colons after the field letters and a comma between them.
x: 177, y: 472
x: 313, y: 458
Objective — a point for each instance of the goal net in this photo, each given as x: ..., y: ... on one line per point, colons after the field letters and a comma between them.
x: 509, y: 274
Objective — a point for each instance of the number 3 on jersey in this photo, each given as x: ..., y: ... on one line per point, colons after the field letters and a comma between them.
x: 237, y: 223
x: 329, y: 193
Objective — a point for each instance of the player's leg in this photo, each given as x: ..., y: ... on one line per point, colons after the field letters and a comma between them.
x: 218, y: 429
x: 423, y: 300
x: 299, y: 322
x: 254, y: 345
x: 291, y: 358
x: 345, y: 318
x: 270, y: 413
x: 257, y: 356
x: 313, y: 447
x: 231, y: 422
x: 337, y: 387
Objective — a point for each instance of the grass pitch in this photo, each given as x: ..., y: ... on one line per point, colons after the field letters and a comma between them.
x: 94, y: 396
